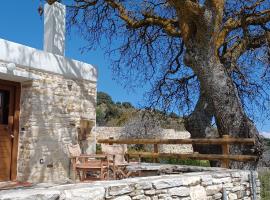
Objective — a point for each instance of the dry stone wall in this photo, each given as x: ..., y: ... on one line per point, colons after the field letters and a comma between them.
x: 215, y: 184
x: 118, y: 133
x: 52, y: 107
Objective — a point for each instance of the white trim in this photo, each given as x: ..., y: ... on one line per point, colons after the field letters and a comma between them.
x: 16, y: 74
x: 27, y: 57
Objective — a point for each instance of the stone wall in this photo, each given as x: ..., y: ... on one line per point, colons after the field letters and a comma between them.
x: 117, y: 133
x: 216, y: 184
x: 52, y: 107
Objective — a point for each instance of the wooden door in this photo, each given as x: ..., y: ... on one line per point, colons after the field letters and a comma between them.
x: 7, y: 103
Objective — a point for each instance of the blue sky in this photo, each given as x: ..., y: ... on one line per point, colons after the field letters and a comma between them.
x: 20, y: 22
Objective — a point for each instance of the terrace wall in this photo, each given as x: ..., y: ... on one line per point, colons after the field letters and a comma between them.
x: 213, y: 184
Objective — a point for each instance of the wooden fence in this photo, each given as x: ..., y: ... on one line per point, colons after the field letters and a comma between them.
x: 225, y: 142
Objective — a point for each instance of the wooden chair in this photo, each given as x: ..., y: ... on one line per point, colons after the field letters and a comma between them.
x: 118, y: 164
x: 88, y: 167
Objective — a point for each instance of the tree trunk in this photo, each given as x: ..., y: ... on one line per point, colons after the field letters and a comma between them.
x: 227, y: 107
x: 200, y: 27
x: 199, y: 124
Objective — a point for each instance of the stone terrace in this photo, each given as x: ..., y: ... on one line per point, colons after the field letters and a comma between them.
x: 209, y: 183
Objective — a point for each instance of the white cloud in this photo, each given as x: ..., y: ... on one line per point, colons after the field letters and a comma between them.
x: 265, y: 134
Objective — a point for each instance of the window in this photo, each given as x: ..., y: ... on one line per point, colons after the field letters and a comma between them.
x: 4, y: 106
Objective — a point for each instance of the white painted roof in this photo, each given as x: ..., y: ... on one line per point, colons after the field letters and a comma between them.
x: 28, y: 57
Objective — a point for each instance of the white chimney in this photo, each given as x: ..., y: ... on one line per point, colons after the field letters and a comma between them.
x: 54, y: 28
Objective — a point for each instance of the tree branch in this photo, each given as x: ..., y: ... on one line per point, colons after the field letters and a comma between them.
x: 244, y: 44
x: 149, y: 19
x: 231, y: 24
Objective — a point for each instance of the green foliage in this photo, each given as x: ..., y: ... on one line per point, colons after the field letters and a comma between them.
x: 140, y: 148
x: 202, y: 163
x: 267, y: 141
x: 109, y: 113
x: 98, y: 148
x: 100, y: 116
x: 104, y: 98
x: 264, y: 176
x: 127, y: 105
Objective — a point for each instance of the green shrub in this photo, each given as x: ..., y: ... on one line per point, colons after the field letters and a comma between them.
x: 202, y: 163
x: 264, y: 176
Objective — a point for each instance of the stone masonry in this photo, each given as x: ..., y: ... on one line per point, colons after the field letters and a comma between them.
x: 216, y: 184
x: 57, y: 103
x: 52, y: 107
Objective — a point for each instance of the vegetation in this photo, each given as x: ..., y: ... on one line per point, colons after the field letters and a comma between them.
x: 109, y: 113
x: 267, y: 142
x: 264, y: 176
x: 264, y: 173
x: 202, y: 163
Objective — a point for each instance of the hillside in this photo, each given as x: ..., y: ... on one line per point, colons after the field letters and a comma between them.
x: 110, y: 113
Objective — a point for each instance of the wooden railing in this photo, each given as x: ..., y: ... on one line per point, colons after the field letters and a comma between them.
x: 225, y: 142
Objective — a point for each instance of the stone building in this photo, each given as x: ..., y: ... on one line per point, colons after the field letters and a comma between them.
x: 47, y: 101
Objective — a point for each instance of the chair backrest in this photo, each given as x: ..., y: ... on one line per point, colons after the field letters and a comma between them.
x: 74, y: 150
x: 118, y: 150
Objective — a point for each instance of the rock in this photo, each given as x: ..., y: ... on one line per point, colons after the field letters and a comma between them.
x: 97, y: 193
x: 221, y: 175
x: 207, y: 180
x: 154, y: 198
x: 144, y: 186
x: 191, y: 180
x: 240, y: 194
x: 198, y: 193
x: 179, y: 191
x: 136, y: 192
x: 150, y: 192
x: 168, y: 183
x: 119, y: 190
x: 232, y: 196
x: 222, y: 180
x: 186, y: 198
x: 31, y: 195
x: 213, y: 189
x: 139, y: 197
x: 217, y: 196
x: 237, y: 188
x: 123, y: 198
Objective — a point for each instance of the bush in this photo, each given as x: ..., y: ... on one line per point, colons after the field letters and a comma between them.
x: 127, y: 105
x: 202, y: 163
x: 264, y: 176
x: 104, y: 98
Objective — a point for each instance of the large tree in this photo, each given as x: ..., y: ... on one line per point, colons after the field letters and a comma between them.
x: 208, y: 57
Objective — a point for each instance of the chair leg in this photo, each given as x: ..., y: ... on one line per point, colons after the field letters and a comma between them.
x: 78, y: 173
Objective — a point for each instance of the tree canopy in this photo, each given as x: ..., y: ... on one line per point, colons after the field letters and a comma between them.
x: 208, y: 58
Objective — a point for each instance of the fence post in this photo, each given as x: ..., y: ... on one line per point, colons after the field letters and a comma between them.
x: 225, y: 151
x: 156, y: 151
